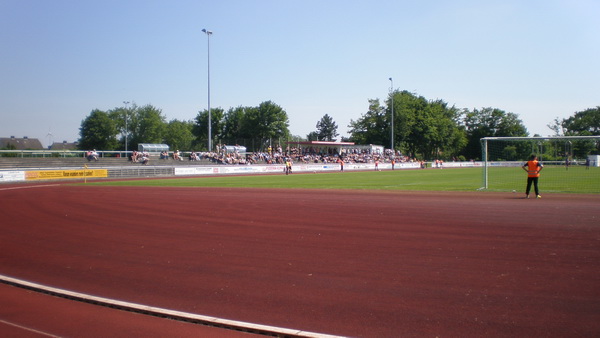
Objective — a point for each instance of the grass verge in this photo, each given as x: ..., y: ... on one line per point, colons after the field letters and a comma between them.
x: 574, y: 180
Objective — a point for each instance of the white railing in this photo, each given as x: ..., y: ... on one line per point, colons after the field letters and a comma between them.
x: 59, y: 153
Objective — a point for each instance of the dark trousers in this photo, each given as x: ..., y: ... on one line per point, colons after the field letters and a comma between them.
x: 533, y: 180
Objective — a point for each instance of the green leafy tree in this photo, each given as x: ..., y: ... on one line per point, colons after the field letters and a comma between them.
x: 327, y: 129
x: 489, y: 122
x: 371, y: 127
x: 313, y: 136
x: 123, y: 118
x: 98, y: 131
x: 232, y: 127
x: 178, y: 135
x: 267, y: 123
x: 200, y: 129
x: 556, y: 127
x: 422, y: 128
x: 408, y: 121
x: 147, y: 125
x: 583, y: 123
x: 436, y: 133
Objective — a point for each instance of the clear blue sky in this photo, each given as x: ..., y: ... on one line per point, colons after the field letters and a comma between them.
x: 61, y: 59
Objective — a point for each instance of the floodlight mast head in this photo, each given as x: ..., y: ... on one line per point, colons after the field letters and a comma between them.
x: 207, y: 31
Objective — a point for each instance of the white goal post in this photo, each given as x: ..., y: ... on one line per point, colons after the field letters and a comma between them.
x: 555, y: 150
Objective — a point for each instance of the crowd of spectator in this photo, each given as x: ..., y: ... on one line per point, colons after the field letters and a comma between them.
x: 312, y: 156
x: 142, y: 157
x: 278, y: 155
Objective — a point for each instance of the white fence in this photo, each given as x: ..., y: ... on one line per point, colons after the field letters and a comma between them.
x: 192, y: 170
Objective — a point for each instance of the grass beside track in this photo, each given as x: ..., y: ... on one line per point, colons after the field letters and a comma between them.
x: 553, y: 179
x: 430, y: 179
x: 577, y: 180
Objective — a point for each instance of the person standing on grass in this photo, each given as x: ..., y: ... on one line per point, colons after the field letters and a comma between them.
x: 533, y: 168
x: 288, y: 166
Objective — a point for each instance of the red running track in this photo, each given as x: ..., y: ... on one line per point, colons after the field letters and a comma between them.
x: 356, y: 263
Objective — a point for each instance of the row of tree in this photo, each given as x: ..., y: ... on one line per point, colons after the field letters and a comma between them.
x: 432, y: 129
x: 422, y: 128
x: 127, y: 127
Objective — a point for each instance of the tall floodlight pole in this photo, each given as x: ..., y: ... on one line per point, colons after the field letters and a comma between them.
x: 392, y: 92
x: 126, y: 103
x: 208, y: 34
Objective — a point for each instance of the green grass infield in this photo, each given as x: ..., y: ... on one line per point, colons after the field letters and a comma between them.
x: 574, y: 180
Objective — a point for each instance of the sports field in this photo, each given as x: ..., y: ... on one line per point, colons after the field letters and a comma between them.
x: 555, y: 179
x: 361, y: 254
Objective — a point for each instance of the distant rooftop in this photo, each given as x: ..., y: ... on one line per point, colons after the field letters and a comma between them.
x: 64, y: 145
x: 24, y: 143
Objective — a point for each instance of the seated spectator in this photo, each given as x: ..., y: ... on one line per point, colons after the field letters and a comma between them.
x: 92, y: 155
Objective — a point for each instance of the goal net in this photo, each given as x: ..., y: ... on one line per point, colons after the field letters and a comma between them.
x: 571, y: 163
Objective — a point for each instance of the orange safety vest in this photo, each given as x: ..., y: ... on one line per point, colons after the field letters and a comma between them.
x: 533, y: 168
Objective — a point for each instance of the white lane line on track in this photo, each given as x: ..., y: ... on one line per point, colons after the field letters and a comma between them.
x: 29, y: 187
x: 28, y: 329
x: 160, y: 312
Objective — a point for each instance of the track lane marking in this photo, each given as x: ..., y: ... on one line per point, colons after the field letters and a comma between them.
x: 161, y: 312
x: 28, y: 329
x: 30, y: 186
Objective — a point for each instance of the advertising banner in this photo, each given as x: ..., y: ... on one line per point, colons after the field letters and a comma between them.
x: 12, y: 176
x: 65, y: 174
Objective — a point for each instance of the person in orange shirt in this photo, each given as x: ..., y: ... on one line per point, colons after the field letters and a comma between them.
x: 533, y: 168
